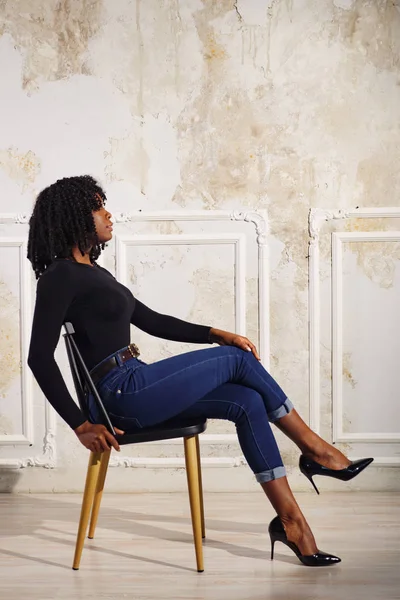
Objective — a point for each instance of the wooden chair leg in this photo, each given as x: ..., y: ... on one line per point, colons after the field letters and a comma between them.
x: 203, y: 524
x: 105, y: 458
x: 87, y: 503
x: 194, y: 497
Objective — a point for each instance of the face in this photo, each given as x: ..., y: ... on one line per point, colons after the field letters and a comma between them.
x: 102, y: 222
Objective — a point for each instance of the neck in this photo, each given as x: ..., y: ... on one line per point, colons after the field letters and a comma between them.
x: 76, y: 253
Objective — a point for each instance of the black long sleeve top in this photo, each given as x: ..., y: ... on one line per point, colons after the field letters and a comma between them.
x: 101, y: 310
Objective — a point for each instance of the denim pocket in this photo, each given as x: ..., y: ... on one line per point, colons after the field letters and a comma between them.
x: 125, y: 423
x: 110, y: 381
x: 121, y: 379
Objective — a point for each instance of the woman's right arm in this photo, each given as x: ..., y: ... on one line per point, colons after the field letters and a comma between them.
x: 55, y: 292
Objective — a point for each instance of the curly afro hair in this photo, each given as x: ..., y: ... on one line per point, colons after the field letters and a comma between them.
x: 62, y: 219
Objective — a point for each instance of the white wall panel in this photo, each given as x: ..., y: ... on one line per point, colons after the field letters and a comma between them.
x: 364, y: 320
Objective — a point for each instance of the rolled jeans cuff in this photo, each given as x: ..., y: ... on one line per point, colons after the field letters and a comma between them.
x: 270, y: 475
x: 280, y: 412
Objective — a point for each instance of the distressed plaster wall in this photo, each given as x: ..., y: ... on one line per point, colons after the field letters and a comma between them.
x: 283, y: 105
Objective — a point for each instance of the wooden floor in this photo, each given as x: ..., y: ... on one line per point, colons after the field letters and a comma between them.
x: 143, y: 549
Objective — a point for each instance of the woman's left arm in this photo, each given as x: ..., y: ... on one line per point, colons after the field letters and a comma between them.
x: 171, y: 328
x: 167, y: 327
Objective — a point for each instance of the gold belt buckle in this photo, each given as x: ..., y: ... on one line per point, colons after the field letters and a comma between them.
x: 132, y: 348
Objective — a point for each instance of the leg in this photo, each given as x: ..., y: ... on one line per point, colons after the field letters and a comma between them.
x: 310, y: 444
x: 105, y: 457
x: 151, y: 394
x: 194, y: 498
x: 203, y: 524
x: 145, y: 395
x: 246, y: 409
x: 87, y: 503
x: 297, y: 529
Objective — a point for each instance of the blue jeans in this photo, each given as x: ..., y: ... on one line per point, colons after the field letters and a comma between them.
x: 217, y: 383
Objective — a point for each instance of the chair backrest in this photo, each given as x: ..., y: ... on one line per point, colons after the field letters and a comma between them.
x: 82, y: 381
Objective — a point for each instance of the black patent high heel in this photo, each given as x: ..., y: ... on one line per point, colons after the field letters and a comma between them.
x: 309, y: 468
x: 319, y: 559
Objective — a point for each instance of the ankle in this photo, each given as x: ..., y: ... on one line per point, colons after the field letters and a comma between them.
x: 293, y: 519
x: 292, y: 516
x: 315, y: 449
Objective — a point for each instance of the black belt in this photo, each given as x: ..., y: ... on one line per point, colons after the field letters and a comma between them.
x: 131, y: 351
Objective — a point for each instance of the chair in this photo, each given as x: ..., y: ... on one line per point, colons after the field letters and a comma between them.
x: 189, y: 430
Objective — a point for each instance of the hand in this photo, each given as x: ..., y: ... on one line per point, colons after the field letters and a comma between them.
x: 225, y: 338
x: 97, y: 438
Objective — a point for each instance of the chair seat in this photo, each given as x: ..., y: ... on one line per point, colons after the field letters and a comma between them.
x: 173, y: 428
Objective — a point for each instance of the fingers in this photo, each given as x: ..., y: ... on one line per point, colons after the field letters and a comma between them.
x: 102, y: 439
x: 247, y: 345
x: 111, y: 439
x: 99, y: 444
x: 119, y: 431
x: 103, y: 444
x: 95, y: 447
x: 254, y: 350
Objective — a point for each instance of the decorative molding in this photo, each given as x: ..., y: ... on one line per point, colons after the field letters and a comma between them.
x: 317, y: 217
x: 26, y: 438
x: 258, y: 219
x: 237, y: 240
x: 260, y: 222
x: 48, y: 459
x: 175, y: 462
x: 337, y: 334
x: 320, y: 215
x: 14, y: 218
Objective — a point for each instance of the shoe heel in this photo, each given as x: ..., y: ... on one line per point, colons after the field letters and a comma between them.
x: 272, y: 547
x: 312, y: 481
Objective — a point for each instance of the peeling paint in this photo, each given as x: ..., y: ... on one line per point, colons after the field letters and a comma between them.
x: 378, y: 260
x: 347, y: 374
x: 219, y: 167
x: 168, y: 228
x: 214, y: 296
x: 345, y: 4
x: 378, y: 175
x: 346, y: 423
x: 21, y: 167
x: 10, y: 362
x: 371, y: 29
x: 54, y: 36
x: 132, y: 274
x: 123, y: 157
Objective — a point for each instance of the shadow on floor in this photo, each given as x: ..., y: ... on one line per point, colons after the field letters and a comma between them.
x: 34, y: 515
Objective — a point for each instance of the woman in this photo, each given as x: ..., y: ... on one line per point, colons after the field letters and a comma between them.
x: 68, y: 230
